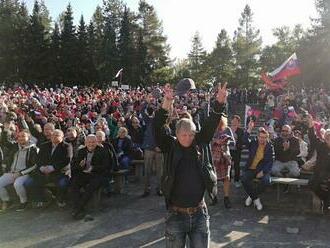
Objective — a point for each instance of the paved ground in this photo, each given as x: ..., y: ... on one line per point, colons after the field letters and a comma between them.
x: 129, y: 221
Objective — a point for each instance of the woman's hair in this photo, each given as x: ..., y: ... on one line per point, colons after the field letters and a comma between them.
x: 223, y: 123
x: 122, y: 130
x: 186, y: 125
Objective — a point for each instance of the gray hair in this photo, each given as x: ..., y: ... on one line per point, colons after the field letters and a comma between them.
x: 186, y: 125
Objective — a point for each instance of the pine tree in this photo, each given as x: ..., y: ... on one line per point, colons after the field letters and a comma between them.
x: 221, y: 59
x: 247, y: 48
x: 84, y: 57
x: 10, y: 64
x: 21, y: 32
x: 55, y: 56
x: 153, y: 39
x: 69, y: 60
x: 126, y: 50
x: 38, y: 45
x: 197, y: 59
x: 315, y: 48
x: 113, y: 10
x: 111, y: 59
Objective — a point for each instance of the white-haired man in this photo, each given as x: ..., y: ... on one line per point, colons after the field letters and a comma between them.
x: 188, y: 173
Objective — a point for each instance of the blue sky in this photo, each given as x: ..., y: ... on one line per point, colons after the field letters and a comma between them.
x: 182, y: 18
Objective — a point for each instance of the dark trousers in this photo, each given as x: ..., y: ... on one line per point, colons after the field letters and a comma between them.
x: 316, y: 186
x: 236, y: 158
x: 36, y: 186
x: 90, y: 183
x: 254, y: 188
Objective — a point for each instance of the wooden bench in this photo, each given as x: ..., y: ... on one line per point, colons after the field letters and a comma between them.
x: 119, y: 177
x: 316, y: 203
x: 287, y: 181
x: 139, y: 168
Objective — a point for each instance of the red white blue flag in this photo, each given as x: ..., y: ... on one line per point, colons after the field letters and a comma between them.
x: 288, y: 69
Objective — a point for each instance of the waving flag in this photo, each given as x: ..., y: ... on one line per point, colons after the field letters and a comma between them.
x: 276, y: 80
x: 288, y: 69
x: 119, y: 72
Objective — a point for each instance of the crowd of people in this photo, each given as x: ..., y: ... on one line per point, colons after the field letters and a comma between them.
x: 75, y: 137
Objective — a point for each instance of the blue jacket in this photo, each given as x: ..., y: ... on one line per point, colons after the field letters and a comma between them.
x: 266, y: 163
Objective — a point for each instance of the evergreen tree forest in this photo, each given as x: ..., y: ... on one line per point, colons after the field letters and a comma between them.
x: 34, y: 48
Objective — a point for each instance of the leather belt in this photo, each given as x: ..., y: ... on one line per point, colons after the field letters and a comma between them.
x: 190, y: 210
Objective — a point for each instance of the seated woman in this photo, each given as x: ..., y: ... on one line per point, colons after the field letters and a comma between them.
x: 123, y: 146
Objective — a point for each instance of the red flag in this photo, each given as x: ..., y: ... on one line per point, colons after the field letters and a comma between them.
x: 272, y: 85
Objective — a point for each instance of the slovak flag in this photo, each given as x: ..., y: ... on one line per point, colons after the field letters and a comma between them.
x: 249, y: 112
x: 119, y: 72
x: 288, y: 69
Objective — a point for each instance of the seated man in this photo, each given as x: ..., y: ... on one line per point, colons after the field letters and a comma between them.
x: 258, y: 165
x: 286, y: 151
x: 52, y: 159
x: 21, y: 160
x: 90, y: 172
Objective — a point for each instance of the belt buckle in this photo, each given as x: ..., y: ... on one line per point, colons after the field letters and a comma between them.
x: 191, y: 211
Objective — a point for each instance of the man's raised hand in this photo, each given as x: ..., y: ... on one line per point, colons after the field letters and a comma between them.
x: 222, y: 93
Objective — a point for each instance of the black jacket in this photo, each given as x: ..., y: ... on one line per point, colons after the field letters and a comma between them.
x: 12, y: 148
x: 100, y: 161
x: 289, y: 155
x: 127, y: 145
x: 60, y: 158
x: 240, y: 139
x: 172, y: 152
x: 322, y: 168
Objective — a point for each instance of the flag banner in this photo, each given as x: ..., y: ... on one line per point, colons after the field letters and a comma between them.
x: 288, y: 69
x: 280, y: 84
x: 251, y: 113
x: 114, y: 83
x: 119, y: 72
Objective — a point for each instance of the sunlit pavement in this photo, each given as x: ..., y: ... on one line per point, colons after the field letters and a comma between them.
x: 130, y: 221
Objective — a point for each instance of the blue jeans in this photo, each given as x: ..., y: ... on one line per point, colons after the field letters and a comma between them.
x: 124, y: 162
x: 36, y: 186
x: 252, y: 188
x: 196, y: 227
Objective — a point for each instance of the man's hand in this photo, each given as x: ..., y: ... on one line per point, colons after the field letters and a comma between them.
x: 260, y: 174
x: 222, y: 93
x: 250, y: 126
x: 50, y: 169
x: 168, y: 92
x: 43, y: 169
x: 82, y: 163
x: 286, y: 145
x: 168, y: 97
x: 16, y: 175
x: 310, y: 121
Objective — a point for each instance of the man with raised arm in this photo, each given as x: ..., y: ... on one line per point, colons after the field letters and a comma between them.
x: 188, y: 172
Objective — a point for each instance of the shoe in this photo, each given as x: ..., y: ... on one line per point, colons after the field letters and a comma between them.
x: 214, y: 201
x: 22, y: 207
x: 238, y: 184
x: 227, y: 203
x: 248, y: 201
x: 39, y: 204
x: 145, y: 194
x: 159, y: 192
x: 61, y: 204
x: 257, y: 204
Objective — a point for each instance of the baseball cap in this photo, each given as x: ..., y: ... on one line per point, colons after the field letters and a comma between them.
x: 183, y: 86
